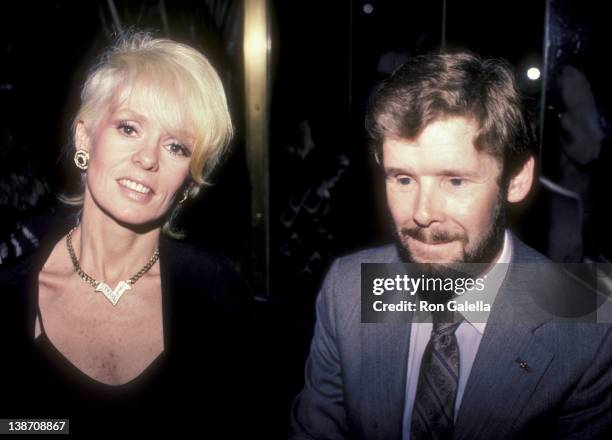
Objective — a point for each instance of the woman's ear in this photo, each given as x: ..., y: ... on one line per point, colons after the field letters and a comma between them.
x: 521, y: 182
x: 81, y: 138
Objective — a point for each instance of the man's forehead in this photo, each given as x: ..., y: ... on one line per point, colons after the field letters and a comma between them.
x: 444, y: 147
x: 442, y: 131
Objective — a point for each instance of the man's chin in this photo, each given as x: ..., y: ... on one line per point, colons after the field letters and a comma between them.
x: 443, y: 262
x: 432, y: 264
x: 439, y: 270
x: 439, y: 254
x: 456, y: 262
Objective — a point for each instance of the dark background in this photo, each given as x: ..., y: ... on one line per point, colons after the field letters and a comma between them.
x: 326, y: 59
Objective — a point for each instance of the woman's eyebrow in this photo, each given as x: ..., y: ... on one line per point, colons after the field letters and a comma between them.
x: 131, y: 113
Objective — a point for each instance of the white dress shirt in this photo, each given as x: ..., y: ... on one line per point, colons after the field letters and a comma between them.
x: 469, y: 334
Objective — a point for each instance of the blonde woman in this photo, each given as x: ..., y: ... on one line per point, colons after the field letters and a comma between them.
x: 127, y: 327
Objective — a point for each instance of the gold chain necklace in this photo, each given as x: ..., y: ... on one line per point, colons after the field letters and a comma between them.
x: 112, y: 295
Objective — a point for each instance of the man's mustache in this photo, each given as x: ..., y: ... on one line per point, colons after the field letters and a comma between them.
x: 431, y: 237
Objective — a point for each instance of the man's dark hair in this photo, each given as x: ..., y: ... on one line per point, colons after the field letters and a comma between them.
x: 431, y: 87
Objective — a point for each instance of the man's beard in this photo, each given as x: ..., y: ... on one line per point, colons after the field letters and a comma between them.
x: 484, y: 253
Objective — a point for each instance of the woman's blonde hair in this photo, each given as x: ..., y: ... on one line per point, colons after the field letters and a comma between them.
x: 166, y: 71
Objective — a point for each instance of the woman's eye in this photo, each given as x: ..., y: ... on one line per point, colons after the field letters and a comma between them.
x: 126, y: 128
x: 179, y: 149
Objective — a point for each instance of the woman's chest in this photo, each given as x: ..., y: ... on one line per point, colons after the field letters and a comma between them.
x: 111, y: 344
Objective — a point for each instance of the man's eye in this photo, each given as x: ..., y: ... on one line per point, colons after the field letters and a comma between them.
x: 455, y: 181
x: 403, y: 180
x: 127, y: 128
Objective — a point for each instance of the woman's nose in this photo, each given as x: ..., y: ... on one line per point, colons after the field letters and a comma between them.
x: 146, y: 156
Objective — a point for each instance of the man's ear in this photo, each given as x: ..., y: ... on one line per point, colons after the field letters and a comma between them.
x: 520, y: 184
x: 81, y: 138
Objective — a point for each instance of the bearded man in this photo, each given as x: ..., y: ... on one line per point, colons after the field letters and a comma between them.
x: 449, y: 134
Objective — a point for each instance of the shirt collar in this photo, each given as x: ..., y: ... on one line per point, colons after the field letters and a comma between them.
x: 494, y: 278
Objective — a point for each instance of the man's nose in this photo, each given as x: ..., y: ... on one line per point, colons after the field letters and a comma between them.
x: 147, y: 155
x: 428, y: 205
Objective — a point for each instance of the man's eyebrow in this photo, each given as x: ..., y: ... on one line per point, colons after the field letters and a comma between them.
x: 443, y: 172
x: 396, y: 170
x: 457, y: 172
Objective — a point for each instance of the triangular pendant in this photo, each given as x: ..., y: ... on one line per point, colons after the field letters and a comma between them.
x: 113, y: 295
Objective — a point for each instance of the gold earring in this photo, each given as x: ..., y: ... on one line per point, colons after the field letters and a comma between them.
x: 81, y: 159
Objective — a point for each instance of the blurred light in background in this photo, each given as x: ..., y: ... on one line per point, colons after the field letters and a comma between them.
x: 533, y: 73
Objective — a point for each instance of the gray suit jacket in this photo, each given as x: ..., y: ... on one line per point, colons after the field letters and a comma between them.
x: 355, y: 375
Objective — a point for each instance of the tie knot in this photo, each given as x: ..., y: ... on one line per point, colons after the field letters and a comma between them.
x: 446, y: 323
x: 445, y: 328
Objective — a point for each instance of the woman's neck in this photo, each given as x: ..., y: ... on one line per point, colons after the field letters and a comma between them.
x: 109, y: 251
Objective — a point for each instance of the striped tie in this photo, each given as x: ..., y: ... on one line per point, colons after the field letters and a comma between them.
x: 434, y: 403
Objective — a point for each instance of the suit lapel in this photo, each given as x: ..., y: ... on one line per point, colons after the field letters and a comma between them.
x: 384, y: 361
x: 510, y: 360
x: 498, y: 386
x: 384, y: 364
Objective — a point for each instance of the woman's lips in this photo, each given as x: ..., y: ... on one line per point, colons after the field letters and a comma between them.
x: 135, y: 185
x: 135, y: 191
